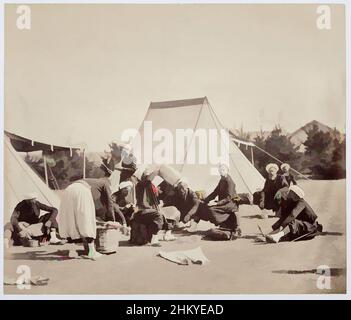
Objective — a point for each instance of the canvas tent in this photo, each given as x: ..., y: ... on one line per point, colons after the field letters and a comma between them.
x: 197, y: 114
x: 19, y: 178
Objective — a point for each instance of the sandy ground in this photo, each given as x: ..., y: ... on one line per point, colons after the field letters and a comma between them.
x: 242, y: 266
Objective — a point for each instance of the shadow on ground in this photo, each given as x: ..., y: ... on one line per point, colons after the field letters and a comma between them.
x: 59, y: 255
x: 334, y: 272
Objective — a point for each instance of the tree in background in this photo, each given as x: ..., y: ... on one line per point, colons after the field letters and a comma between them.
x: 63, y: 168
x: 337, y: 168
x: 325, y: 155
x: 280, y: 147
x: 260, y: 158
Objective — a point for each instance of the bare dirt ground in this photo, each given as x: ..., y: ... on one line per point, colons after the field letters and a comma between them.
x: 242, y: 266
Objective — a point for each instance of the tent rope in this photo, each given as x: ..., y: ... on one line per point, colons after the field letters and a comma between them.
x: 276, y: 159
x: 261, y: 148
x: 232, y: 160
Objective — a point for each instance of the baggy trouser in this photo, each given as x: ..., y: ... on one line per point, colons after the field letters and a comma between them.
x: 48, y: 221
x: 302, y: 230
x: 225, y: 216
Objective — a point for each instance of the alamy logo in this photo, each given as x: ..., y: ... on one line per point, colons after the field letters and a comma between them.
x: 184, y: 146
x: 323, y: 21
x: 323, y: 281
x: 23, y: 21
x: 23, y: 280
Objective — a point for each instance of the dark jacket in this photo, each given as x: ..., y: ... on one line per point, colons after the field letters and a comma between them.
x: 225, y: 191
x: 188, y: 206
x: 292, y: 210
x: 29, y: 211
x: 269, y: 191
x: 101, y: 192
x: 290, y: 179
x: 118, y: 206
x: 146, y: 198
x: 129, y: 163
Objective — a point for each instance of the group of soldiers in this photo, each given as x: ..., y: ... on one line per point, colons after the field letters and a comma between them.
x: 141, y: 208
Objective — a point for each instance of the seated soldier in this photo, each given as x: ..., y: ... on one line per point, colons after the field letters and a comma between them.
x: 298, y: 220
x: 223, y: 213
x: 273, y: 183
x: 27, y: 214
x: 290, y: 179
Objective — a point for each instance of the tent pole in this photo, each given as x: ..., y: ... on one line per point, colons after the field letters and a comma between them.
x: 46, y: 171
x: 83, y: 163
x: 252, y: 157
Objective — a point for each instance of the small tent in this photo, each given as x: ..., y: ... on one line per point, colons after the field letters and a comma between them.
x: 198, y: 114
x: 20, y: 178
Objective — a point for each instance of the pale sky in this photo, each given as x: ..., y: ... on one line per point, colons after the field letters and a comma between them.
x: 83, y: 73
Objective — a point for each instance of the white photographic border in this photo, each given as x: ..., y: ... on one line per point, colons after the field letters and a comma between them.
x: 185, y: 296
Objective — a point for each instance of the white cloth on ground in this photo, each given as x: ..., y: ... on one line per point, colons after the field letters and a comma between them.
x: 195, y: 256
x: 76, y: 217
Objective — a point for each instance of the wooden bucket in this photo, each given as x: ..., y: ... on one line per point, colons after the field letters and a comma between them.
x: 107, y: 240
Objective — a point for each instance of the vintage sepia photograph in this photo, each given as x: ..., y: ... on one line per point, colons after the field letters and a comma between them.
x: 174, y: 148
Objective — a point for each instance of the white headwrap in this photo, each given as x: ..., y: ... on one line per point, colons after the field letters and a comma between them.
x: 223, y: 164
x: 285, y: 165
x: 125, y: 184
x: 183, y: 181
x: 30, y: 196
x: 298, y: 191
x: 271, y: 165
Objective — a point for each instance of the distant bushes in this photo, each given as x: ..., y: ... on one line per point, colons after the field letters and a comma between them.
x: 324, y: 156
x: 63, y: 168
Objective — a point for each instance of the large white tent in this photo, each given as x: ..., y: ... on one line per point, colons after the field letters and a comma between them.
x: 198, y: 114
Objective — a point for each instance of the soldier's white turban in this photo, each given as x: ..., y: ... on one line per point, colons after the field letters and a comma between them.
x: 272, y: 165
x: 285, y: 165
x: 298, y: 191
x: 30, y: 196
x: 125, y: 184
